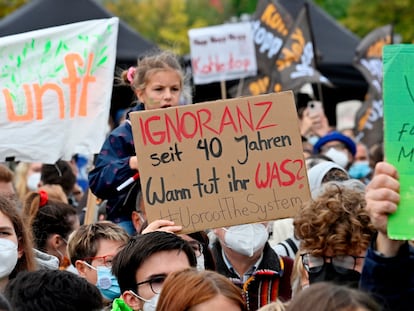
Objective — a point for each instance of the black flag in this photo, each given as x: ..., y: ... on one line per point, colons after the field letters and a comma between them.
x: 295, y: 64
x: 368, y: 60
x: 270, y: 25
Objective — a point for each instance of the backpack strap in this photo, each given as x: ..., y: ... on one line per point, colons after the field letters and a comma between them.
x: 292, y: 245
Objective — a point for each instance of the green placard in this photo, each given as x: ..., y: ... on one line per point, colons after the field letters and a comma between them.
x: 398, y: 65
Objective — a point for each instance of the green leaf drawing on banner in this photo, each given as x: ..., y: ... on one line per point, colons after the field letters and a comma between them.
x: 19, y: 61
x: 59, y: 68
x: 65, y: 47
x: 48, y: 45
x: 103, y: 50
x: 24, y: 52
x: 102, y: 61
x: 59, y: 48
x: 32, y: 45
x: 83, y: 38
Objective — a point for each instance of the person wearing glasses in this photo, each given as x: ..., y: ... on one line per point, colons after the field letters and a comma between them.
x: 334, y: 230
x: 91, y: 249
x: 198, y: 240
x: 144, y: 263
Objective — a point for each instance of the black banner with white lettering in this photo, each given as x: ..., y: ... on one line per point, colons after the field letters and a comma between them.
x: 295, y: 64
x: 271, y: 24
x: 368, y: 60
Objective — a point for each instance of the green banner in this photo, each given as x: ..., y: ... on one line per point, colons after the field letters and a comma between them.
x: 398, y: 66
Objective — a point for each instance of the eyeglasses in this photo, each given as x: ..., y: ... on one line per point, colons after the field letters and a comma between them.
x: 197, y: 247
x: 102, y: 260
x: 155, y: 283
x: 341, y: 264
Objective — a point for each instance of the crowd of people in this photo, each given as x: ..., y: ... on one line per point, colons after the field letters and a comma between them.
x: 335, y: 254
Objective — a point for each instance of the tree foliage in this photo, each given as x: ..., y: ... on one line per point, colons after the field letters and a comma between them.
x: 364, y: 16
x: 166, y: 22
x: 8, y: 6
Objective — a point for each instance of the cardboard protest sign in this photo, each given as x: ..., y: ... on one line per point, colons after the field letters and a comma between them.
x: 55, y: 90
x: 221, y: 53
x: 221, y: 163
x: 398, y: 64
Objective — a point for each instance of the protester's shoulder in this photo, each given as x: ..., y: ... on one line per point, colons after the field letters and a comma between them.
x: 138, y: 107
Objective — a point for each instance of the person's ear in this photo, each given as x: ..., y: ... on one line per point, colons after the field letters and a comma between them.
x: 81, y: 267
x: 55, y: 240
x: 20, y: 250
x: 131, y: 300
x: 136, y: 221
x: 139, y: 94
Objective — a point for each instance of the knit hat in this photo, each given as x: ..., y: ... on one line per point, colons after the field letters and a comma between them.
x: 318, y: 172
x: 332, y: 136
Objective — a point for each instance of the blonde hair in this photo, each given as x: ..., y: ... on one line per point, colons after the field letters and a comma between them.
x: 147, y: 66
x: 20, y: 180
x: 83, y: 242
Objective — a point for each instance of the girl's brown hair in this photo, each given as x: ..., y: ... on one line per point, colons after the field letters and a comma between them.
x: 27, y: 261
x: 185, y: 289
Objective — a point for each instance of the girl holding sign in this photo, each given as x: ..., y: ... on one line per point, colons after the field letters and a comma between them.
x: 158, y: 82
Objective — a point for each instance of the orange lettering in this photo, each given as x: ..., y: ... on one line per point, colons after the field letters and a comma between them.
x: 83, y: 102
x: 72, y: 80
x: 40, y: 90
x: 272, y: 18
x: 11, y: 114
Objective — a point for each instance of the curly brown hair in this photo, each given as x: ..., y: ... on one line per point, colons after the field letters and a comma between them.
x: 336, y: 221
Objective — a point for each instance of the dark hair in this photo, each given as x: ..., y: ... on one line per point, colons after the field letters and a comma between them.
x: 52, y: 218
x: 139, y: 248
x: 202, y: 237
x: 324, y: 296
x: 60, y: 173
x: 51, y: 290
x: 4, y: 304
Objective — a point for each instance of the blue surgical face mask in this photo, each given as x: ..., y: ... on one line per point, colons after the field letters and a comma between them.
x: 359, y: 169
x: 106, y: 282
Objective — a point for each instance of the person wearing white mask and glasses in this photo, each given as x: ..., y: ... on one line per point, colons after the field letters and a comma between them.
x: 243, y: 254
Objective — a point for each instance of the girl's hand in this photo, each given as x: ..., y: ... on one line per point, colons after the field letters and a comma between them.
x: 162, y: 225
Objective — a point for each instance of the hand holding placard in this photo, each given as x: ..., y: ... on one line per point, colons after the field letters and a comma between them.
x: 398, y: 64
x: 221, y: 163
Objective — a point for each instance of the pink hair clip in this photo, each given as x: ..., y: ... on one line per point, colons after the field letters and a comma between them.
x: 131, y: 74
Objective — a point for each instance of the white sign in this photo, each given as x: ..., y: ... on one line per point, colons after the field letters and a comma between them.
x: 55, y: 90
x: 221, y: 53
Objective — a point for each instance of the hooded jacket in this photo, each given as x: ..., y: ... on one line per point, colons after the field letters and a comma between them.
x: 112, y: 169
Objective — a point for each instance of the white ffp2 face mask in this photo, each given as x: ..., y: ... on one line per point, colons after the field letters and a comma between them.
x: 339, y: 157
x: 33, y: 181
x: 8, y: 257
x: 246, y: 239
